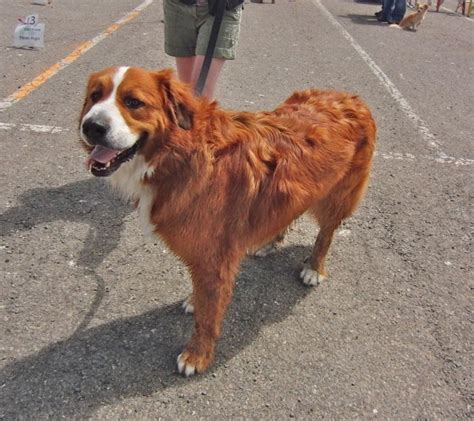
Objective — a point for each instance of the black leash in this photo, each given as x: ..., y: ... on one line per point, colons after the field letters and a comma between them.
x: 211, y: 46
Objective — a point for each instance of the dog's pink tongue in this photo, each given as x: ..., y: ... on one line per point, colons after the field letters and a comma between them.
x: 103, y: 155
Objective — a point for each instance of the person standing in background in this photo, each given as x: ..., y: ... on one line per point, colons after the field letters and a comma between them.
x: 392, y: 11
x: 188, y: 25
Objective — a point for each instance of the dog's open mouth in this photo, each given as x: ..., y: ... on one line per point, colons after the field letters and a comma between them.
x: 105, y: 161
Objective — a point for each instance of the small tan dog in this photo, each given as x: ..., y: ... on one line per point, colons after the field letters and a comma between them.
x: 414, y: 20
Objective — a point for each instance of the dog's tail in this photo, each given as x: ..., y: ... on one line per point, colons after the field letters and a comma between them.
x: 395, y: 25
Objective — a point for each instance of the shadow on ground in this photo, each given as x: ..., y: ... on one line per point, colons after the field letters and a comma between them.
x: 87, y: 202
x: 133, y: 356
x: 363, y: 19
x: 368, y: 1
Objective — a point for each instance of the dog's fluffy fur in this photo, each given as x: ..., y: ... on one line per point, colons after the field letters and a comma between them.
x: 215, y: 184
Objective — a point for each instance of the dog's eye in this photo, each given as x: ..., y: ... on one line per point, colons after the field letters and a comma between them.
x: 133, y: 103
x: 95, y: 96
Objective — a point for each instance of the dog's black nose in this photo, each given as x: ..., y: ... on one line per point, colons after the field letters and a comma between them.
x: 95, y: 131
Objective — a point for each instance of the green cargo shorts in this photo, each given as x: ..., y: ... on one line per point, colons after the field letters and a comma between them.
x: 187, y: 30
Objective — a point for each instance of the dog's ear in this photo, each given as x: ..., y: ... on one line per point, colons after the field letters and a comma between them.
x: 84, y: 101
x: 177, y: 99
x: 84, y: 105
x: 88, y: 90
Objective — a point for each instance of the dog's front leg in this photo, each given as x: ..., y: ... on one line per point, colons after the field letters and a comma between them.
x: 211, y: 296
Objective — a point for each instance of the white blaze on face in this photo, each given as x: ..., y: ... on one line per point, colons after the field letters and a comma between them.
x: 119, y: 135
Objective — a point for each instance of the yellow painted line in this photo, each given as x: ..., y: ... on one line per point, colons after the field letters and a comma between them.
x: 47, y: 74
x: 78, y: 52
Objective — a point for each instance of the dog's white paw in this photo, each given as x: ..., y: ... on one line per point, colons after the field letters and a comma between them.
x: 188, y: 305
x: 311, y: 277
x: 184, y: 367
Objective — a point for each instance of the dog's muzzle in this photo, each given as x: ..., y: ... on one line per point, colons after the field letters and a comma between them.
x: 95, y: 132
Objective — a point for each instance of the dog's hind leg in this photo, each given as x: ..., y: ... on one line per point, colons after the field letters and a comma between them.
x: 271, y: 246
x: 330, y: 212
x: 316, y: 271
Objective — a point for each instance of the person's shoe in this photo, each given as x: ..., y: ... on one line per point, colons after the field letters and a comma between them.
x: 391, y: 22
x: 379, y: 13
x: 381, y: 18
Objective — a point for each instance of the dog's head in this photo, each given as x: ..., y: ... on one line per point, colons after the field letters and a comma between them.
x: 421, y: 7
x: 127, y: 107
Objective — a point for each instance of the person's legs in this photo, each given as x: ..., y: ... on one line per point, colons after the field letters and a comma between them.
x: 185, y: 67
x: 399, y: 10
x: 387, y: 10
x: 225, y: 45
x: 212, y: 76
x: 179, y: 28
x: 189, y: 47
x: 380, y: 12
x: 180, y: 36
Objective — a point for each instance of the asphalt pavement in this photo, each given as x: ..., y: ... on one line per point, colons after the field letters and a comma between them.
x: 91, y: 322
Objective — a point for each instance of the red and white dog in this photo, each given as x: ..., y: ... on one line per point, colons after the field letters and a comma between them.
x: 215, y: 184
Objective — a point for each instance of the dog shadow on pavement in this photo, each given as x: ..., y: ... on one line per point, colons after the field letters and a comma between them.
x: 80, y: 202
x: 133, y: 356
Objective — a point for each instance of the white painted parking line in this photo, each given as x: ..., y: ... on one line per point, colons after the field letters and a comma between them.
x: 396, y: 156
x: 37, y: 128
x: 458, y: 14
x: 394, y: 92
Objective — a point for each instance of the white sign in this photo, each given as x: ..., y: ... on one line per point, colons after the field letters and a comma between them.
x: 29, y: 33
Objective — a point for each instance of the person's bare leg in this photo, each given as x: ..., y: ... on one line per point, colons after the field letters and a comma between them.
x: 185, y: 66
x: 212, y: 77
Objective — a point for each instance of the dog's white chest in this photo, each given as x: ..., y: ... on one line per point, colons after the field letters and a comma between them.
x: 145, y: 205
x: 128, y: 180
